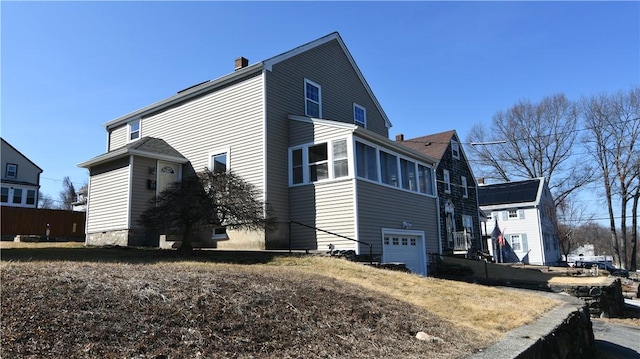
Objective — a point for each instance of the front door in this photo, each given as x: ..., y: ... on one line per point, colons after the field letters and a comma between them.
x: 449, y: 226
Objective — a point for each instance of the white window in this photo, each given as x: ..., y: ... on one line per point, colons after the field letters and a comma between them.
x: 389, y: 169
x: 408, y: 173
x: 313, y: 99
x: 31, y: 197
x: 359, y: 115
x: 17, y: 195
x: 455, y: 149
x: 340, y: 159
x: 513, y: 214
x: 467, y: 223
x: 11, y: 170
x: 425, y: 179
x: 4, y: 194
x: 319, y: 161
x: 465, y: 190
x: 219, y: 161
x: 447, y: 181
x: 518, y: 242
x: 134, y: 130
x: 366, y: 162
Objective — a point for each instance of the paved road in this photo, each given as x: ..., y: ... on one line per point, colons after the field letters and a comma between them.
x: 616, y: 340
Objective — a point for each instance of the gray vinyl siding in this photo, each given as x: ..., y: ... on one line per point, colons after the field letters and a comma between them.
x: 118, y: 137
x: 228, y: 118
x: 328, y: 66
x: 382, y: 207
x: 108, y: 191
x: 304, y: 132
x: 328, y: 206
x: 140, y: 194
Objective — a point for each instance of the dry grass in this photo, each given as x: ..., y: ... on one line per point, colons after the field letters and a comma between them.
x: 91, y: 302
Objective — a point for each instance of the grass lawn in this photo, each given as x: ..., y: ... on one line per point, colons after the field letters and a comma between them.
x: 65, y: 300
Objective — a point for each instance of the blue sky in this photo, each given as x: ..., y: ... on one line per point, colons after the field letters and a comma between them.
x: 69, y: 67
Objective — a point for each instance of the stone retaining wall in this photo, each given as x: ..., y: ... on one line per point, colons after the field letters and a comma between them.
x: 602, y: 300
x: 563, y: 333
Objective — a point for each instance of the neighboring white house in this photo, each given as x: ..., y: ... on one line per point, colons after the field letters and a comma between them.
x: 525, y: 214
x: 20, y: 178
x: 306, y: 130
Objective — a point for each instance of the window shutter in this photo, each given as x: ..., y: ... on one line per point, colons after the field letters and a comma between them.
x: 521, y: 213
x: 525, y: 245
x: 505, y: 215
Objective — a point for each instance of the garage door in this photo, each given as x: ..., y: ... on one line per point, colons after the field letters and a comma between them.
x: 407, y: 248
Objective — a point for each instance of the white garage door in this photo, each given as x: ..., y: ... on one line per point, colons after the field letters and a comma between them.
x: 405, y: 247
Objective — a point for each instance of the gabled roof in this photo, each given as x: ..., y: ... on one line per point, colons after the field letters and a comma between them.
x: 432, y: 145
x: 525, y: 192
x: 150, y: 147
x: 20, y: 153
x: 212, y: 85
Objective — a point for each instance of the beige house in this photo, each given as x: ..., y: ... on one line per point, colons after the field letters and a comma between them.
x: 306, y: 129
x: 20, y: 178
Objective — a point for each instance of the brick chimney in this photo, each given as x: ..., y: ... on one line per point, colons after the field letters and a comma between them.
x: 399, y: 138
x: 241, y: 62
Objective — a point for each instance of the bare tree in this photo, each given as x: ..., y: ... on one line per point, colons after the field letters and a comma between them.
x: 45, y: 201
x: 532, y: 140
x: 613, y: 122
x: 68, y: 194
x: 571, y: 216
x: 206, y: 200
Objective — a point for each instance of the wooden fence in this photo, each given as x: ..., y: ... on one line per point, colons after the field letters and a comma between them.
x: 34, y: 221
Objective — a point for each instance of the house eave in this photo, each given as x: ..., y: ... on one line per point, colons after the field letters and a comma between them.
x: 185, y: 95
x: 124, y: 152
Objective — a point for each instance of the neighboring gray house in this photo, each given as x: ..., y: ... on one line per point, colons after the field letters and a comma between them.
x: 457, y: 192
x: 20, y: 178
x: 305, y: 128
x: 524, y: 211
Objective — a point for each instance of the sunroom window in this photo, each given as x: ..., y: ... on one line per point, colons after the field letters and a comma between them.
x: 408, y: 173
x: 340, y: 159
x: 367, y: 166
x: 389, y: 168
x: 318, y: 162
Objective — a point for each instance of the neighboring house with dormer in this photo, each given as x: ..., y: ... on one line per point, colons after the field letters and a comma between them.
x: 305, y: 128
x: 20, y: 178
x: 524, y: 212
x: 457, y: 191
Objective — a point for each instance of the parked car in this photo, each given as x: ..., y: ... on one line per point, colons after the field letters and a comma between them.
x: 618, y: 272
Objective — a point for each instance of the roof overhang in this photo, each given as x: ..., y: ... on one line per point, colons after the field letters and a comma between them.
x: 125, y: 152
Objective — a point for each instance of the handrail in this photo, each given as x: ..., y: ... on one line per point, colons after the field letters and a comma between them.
x: 334, y: 234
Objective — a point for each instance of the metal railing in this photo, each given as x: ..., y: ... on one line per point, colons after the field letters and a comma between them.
x: 333, y: 234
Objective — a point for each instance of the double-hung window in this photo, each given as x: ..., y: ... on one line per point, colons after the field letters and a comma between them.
x: 465, y: 190
x: 366, y: 162
x: 519, y: 242
x: 134, y: 130
x: 455, y: 149
x: 31, y: 197
x: 313, y: 99
x: 408, y: 173
x: 447, y: 181
x: 11, y: 170
x: 219, y: 162
x: 340, y: 158
x: 425, y: 180
x: 319, y: 161
x: 389, y: 169
x: 17, y: 195
x: 359, y: 115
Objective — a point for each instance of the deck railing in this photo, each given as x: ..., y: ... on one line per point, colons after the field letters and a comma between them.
x: 462, y: 241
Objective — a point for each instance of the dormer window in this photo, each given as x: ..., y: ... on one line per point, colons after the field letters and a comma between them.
x: 455, y: 149
x: 313, y: 99
x: 359, y: 115
x: 134, y: 130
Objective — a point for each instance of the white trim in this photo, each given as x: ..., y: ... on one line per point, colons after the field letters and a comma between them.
x: 464, y: 184
x: 364, y: 110
x: 87, y: 211
x: 219, y: 151
x: 456, y: 144
x: 129, y: 194
x: 307, y: 81
x: 129, y: 123
x: 446, y: 179
x: 264, y: 144
x: 356, y: 219
x: 155, y: 156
